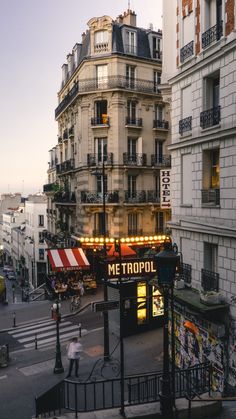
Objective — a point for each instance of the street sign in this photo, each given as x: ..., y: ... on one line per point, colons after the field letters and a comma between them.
x: 105, y: 305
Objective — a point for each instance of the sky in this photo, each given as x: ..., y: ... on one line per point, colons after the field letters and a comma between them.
x: 36, y: 36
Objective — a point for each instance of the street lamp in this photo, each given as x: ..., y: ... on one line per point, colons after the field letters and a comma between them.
x: 58, y: 369
x: 166, y: 263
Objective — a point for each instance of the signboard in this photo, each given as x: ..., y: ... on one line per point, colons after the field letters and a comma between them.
x: 105, y: 305
x: 165, y: 196
x: 130, y: 268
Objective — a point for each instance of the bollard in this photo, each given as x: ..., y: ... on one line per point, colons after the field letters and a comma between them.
x: 14, y: 319
x: 36, y: 341
x: 80, y: 327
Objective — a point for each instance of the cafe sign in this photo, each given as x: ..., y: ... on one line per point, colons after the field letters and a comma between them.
x: 165, y: 197
x: 130, y: 268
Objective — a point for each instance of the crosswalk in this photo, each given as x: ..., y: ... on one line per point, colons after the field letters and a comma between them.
x: 43, y: 333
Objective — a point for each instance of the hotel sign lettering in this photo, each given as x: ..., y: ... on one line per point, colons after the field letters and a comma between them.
x: 135, y: 267
x: 165, y: 201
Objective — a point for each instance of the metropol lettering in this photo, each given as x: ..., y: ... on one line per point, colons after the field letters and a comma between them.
x: 132, y: 268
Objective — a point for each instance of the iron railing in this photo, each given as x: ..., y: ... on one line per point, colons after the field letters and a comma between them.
x: 210, y: 117
x: 99, y: 159
x: 186, y: 51
x: 90, y: 396
x: 102, y: 120
x: 185, y: 272
x: 48, y: 187
x: 65, y: 197
x: 213, y: 34
x: 135, y: 197
x: 65, y: 166
x: 111, y: 82
x: 160, y: 124
x: 209, y: 280
x: 185, y: 125
x: 135, y: 159
x: 211, y: 197
x: 136, y: 122
x: 163, y: 160
x: 94, y: 197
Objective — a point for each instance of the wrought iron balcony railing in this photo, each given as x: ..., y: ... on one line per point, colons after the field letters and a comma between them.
x: 210, y: 117
x: 94, y: 197
x: 102, y: 120
x: 160, y: 124
x: 185, y: 125
x: 111, y: 82
x: 213, y: 34
x: 48, y: 187
x: 135, y: 122
x: 65, y: 197
x: 137, y: 159
x: 153, y: 196
x: 65, y: 166
x: 211, y: 197
x: 163, y: 160
x: 209, y: 280
x: 186, y: 51
x: 185, y: 272
x: 135, y: 197
x: 98, y: 159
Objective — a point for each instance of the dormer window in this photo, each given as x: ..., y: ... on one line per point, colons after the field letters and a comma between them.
x: 131, y: 42
x: 100, y: 41
x: 156, y: 47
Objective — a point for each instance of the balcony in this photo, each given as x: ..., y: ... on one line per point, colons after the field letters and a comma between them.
x: 137, y: 159
x: 210, y: 117
x: 160, y: 124
x: 163, y: 160
x: 153, y: 197
x: 134, y: 122
x: 185, y: 272
x: 100, y: 121
x: 213, y: 34
x: 185, y: 125
x: 186, y: 51
x: 65, y: 197
x: 98, y: 159
x: 49, y: 187
x: 136, y: 197
x: 211, y: 197
x: 94, y: 197
x: 66, y: 166
x: 209, y: 280
x: 101, y: 47
x: 67, y: 100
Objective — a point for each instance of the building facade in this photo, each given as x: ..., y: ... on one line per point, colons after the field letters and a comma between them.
x: 199, y: 66
x: 112, y: 134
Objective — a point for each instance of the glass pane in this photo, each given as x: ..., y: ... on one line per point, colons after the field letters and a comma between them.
x: 141, y: 302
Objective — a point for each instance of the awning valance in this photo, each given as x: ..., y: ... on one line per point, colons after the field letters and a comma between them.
x: 68, y: 259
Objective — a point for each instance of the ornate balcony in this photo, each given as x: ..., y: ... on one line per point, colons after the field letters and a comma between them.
x: 160, y: 124
x: 137, y: 197
x: 101, y: 47
x: 134, y: 122
x: 94, y: 197
x: 153, y: 197
x: 186, y: 51
x: 185, y: 125
x: 66, y: 166
x: 67, y: 100
x: 211, y: 197
x: 209, y: 280
x: 98, y: 159
x: 185, y: 272
x: 137, y: 159
x: 213, y: 34
x: 103, y: 120
x: 162, y: 160
x: 210, y: 117
x: 49, y: 187
x: 65, y: 197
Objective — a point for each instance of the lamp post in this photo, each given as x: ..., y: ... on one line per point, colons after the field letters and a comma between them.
x: 166, y: 263
x: 58, y: 369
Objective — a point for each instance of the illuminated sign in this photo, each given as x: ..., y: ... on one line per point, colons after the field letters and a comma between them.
x: 134, y: 267
x: 165, y: 199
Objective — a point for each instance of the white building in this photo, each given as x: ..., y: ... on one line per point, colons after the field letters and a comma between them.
x: 8, y: 201
x: 10, y: 220
x: 199, y: 63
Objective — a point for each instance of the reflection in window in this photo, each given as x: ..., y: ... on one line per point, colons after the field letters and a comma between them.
x: 141, y: 302
x: 157, y: 303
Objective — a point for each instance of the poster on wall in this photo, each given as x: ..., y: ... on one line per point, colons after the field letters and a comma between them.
x: 165, y: 195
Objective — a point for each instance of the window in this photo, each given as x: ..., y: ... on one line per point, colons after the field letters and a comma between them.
x: 187, y: 49
x: 211, y: 177
x: 141, y: 302
x: 211, y: 114
x: 130, y: 76
x: 132, y: 147
x: 186, y: 179
x: 156, y: 47
x: 131, y: 112
x: 160, y: 222
x: 100, y: 112
x: 158, y: 151
x: 41, y: 237
x: 101, y: 149
x: 209, y: 275
x: 132, y: 185
x: 41, y: 220
x: 130, y: 42
x: 159, y: 112
x: 101, y: 184
x: 213, y: 23
x: 185, y: 124
x: 132, y: 223
x: 157, y: 185
x: 41, y: 254
x: 101, y: 76
x: 98, y: 223
x: 156, y: 80
x: 101, y: 37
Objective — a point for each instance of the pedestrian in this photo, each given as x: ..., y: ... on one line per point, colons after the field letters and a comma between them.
x: 73, y: 352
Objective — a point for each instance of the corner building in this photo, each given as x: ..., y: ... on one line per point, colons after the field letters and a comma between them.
x: 199, y: 66
x: 112, y: 134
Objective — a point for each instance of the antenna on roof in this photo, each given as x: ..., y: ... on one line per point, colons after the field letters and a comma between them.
x: 128, y: 4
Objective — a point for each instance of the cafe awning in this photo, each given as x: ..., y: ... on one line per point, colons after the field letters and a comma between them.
x: 68, y: 259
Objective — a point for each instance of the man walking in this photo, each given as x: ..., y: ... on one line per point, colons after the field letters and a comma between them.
x: 73, y: 354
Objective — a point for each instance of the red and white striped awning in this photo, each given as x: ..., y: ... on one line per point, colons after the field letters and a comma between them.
x: 68, y: 259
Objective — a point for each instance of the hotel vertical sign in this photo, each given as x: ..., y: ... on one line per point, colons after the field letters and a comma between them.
x: 165, y: 199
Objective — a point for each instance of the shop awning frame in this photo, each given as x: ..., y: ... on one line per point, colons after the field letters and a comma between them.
x: 67, y: 259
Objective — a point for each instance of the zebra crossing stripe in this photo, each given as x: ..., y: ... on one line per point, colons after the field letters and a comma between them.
x: 34, y: 326
x: 44, y: 342
x: 43, y: 335
x: 37, y: 330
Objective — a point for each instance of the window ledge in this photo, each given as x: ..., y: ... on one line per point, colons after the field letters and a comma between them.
x: 211, y: 128
x: 185, y: 135
x: 186, y: 206
x: 210, y: 206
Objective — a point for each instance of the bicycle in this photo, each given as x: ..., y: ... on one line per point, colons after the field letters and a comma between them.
x: 75, y: 303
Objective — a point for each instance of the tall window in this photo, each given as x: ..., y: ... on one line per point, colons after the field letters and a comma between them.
x: 131, y: 111
x: 102, y: 185
x: 211, y: 101
x: 160, y: 222
x: 211, y: 177
x: 101, y: 149
x: 130, y: 42
x: 132, y: 147
x: 211, y: 257
x: 159, y: 113
x: 130, y: 76
x: 41, y: 220
x: 156, y: 47
x: 186, y: 179
x: 101, y: 112
x: 101, y: 76
x: 158, y: 150
x: 132, y: 223
x: 132, y: 185
x: 98, y: 223
x: 156, y: 80
x: 101, y: 37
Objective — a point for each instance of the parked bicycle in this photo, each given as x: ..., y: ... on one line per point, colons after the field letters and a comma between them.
x: 75, y: 303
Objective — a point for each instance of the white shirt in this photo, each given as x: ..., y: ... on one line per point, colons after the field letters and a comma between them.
x: 74, y: 350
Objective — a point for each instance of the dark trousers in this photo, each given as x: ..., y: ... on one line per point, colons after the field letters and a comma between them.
x: 72, y: 362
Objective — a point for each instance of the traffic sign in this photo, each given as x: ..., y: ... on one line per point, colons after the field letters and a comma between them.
x: 105, y: 305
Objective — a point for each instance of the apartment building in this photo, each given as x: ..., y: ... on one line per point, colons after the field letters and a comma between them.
x: 199, y: 68
x: 113, y: 132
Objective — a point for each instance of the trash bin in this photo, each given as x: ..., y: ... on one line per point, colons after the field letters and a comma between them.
x: 4, y: 356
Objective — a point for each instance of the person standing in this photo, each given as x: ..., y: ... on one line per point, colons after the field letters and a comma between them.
x: 73, y: 353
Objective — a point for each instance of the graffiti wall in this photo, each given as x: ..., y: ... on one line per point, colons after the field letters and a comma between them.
x: 196, y: 341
